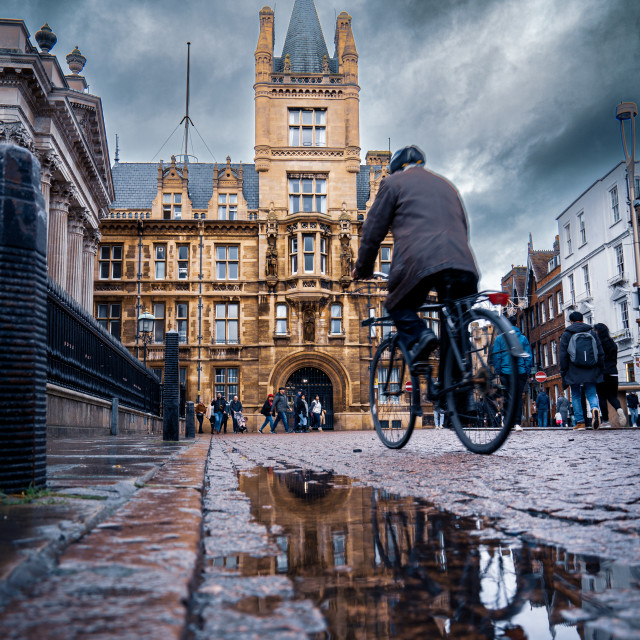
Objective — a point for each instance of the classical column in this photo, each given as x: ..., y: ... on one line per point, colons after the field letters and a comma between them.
x: 49, y: 162
x: 57, y: 233
x: 75, y: 230
x: 89, y: 250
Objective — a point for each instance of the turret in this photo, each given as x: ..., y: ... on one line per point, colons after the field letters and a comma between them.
x: 349, y: 57
x: 264, y: 50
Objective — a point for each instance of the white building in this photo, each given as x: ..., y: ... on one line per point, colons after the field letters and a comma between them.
x: 598, y: 270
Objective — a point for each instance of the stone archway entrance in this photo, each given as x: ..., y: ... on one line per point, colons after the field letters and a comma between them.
x: 313, y: 382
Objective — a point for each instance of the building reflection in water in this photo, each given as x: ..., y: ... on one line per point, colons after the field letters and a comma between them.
x: 381, y: 566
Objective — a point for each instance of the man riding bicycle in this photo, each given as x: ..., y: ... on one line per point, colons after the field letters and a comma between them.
x: 426, y: 217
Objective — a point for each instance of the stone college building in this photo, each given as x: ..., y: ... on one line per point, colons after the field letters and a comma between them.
x: 251, y: 263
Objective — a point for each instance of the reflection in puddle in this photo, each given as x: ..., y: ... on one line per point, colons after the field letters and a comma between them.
x: 381, y: 566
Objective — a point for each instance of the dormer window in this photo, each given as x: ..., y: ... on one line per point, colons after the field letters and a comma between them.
x: 307, y: 127
x: 172, y: 206
x: 228, y: 206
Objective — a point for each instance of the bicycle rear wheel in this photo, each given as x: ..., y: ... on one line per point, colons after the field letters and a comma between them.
x: 481, y: 403
x: 393, y: 409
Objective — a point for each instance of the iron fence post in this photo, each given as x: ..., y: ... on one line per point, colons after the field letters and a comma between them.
x: 23, y: 321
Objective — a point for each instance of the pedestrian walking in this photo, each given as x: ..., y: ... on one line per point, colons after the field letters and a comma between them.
x: 534, y: 414
x: 562, y: 406
x: 304, y: 413
x: 267, y: 412
x: 225, y: 415
x: 201, y: 409
x: 235, y: 406
x: 543, y: 405
x: 581, y: 366
x: 219, y: 411
x: 280, y: 408
x: 632, y: 406
x: 316, y: 413
x: 502, y: 366
x: 297, y: 411
x: 438, y: 417
x: 608, y: 389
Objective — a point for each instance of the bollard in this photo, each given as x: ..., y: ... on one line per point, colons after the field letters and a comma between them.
x: 23, y: 322
x: 190, y: 428
x: 114, y: 416
x: 171, y: 394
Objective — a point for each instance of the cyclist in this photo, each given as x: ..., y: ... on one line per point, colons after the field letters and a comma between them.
x: 426, y: 217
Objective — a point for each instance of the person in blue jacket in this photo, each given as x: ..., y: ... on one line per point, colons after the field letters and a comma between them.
x: 543, y: 404
x: 502, y: 366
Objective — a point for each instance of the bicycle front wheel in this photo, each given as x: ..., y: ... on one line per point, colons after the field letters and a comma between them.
x: 393, y: 408
x: 481, y: 403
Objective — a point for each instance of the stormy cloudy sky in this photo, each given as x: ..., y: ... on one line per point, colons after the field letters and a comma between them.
x: 513, y: 100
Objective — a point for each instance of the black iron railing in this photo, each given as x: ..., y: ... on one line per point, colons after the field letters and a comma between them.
x: 83, y: 356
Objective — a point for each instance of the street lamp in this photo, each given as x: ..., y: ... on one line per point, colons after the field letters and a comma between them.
x: 628, y: 111
x: 145, y: 328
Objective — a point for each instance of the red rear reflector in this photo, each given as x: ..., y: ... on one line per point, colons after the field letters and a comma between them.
x: 499, y: 297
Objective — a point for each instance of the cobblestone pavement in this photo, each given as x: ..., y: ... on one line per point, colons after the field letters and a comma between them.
x: 580, y: 490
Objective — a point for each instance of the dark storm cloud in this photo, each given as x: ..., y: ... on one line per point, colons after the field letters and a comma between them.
x: 513, y: 101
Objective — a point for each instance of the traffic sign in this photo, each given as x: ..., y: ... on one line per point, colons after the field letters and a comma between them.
x: 408, y: 387
x: 541, y: 376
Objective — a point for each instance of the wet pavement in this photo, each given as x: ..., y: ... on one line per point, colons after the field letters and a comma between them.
x: 330, y: 535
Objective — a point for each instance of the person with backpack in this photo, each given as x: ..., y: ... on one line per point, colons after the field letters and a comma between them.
x: 502, y: 366
x: 543, y: 405
x: 581, y: 367
x: 608, y: 388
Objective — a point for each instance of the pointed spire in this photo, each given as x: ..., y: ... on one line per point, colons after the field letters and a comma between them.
x: 305, y: 44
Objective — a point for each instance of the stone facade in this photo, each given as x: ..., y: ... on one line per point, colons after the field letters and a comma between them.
x: 252, y: 263
x: 52, y: 115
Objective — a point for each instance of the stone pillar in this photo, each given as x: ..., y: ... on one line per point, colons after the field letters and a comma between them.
x: 23, y: 322
x: 75, y: 233
x: 89, y: 250
x: 171, y: 388
x: 190, y: 427
x: 57, y: 234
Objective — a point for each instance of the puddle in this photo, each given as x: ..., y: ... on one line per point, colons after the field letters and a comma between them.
x: 383, y: 566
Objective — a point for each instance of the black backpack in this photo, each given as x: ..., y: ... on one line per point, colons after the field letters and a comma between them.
x: 583, y: 349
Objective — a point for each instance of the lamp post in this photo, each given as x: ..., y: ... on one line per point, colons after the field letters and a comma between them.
x: 145, y: 328
x: 628, y: 111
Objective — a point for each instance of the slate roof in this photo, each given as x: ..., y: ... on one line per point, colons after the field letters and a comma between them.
x: 136, y: 184
x: 540, y: 263
x: 305, y: 42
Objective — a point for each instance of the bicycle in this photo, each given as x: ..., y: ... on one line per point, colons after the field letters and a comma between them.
x: 479, y: 402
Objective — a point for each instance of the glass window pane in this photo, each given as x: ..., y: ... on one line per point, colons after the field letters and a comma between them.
x: 117, y: 253
x: 294, y: 187
x: 233, y: 271
x: 222, y: 212
x: 336, y: 326
x: 221, y: 270
x: 116, y: 269
x: 385, y: 253
x: 307, y: 116
x: 294, y: 137
x: 321, y: 185
x: 321, y: 117
x: 183, y: 252
x: 232, y: 375
x: 159, y: 270
x: 294, y: 204
x: 177, y: 198
x: 233, y: 253
x: 220, y: 310
x: 221, y: 253
x: 105, y: 253
x: 177, y: 212
x: 281, y: 326
x: 308, y: 243
x: 307, y: 134
x: 102, y: 310
x: 232, y: 329
x: 104, y: 270
x: 166, y: 197
x: 158, y: 309
x: 181, y: 310
x: 321, y: 204
x: 115, y: 311
x: 233, y: 212
x: 321, y: 137
x: 307, y: 203
x: 281, y: 311
x: 336, y: 311
x: 220, y: 375
x: 294, y: 245
x: 232, y: 311
x: 307, y: 185
x: 220, y: 330
x: 308, y: 262
x: 323, y: 245
x: 233, y: 198
x: 294, y: 116
x: 160, y: 252
x: 222, y: 198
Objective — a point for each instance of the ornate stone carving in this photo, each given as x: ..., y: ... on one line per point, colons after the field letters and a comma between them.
x: 271, y: 267
x: 16, y: 133
x: 309, y: 326
x: 91, y: 241
x: 346, y: 256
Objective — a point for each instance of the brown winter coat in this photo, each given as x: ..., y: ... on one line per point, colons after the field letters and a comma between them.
x: 429, y: 226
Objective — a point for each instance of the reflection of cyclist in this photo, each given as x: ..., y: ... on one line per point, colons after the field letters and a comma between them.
x: 431, y: 250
